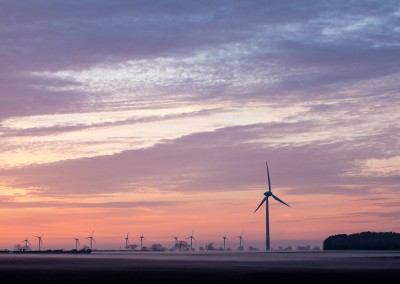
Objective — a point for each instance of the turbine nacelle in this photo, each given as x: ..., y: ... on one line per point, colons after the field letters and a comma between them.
x: 268, y: 193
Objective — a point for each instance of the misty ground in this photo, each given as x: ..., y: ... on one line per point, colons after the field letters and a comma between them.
x: 207, y: 267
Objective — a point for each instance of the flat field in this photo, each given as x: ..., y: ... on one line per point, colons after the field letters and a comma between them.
x: 207, y: 267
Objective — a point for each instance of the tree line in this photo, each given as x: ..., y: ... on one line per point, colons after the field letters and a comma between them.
x: 364, y: 241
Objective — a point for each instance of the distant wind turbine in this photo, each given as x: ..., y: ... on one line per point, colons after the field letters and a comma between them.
x: 40, y: 240
x: 268, y: 194
x: 191, y: 241
x: 141, y: 241
x: 76, y: 243
x: 126, y: 241
x: 240, y: 241
x: 176, y: 240
x: 91, y: 240
x: 224, y: 237
x: 26, y: 241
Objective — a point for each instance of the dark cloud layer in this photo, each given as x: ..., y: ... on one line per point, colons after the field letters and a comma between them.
x: 314, y: 43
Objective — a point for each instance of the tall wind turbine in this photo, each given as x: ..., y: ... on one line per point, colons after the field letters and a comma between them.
x: 126, y: 241
x: 191, y: 241
x: 76, y: 243
x: 40, y: 240
x: 91, y: 240
x: 240, y: 241
x: 141, y: 241
x: 268, y: 194
x: 224, y: 237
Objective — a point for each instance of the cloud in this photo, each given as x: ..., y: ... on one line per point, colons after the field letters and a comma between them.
x: 54, y: 204
x: 252, y: 50
x: 228, y: 159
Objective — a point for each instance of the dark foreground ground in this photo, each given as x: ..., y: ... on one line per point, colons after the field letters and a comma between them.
x: 150, y: 267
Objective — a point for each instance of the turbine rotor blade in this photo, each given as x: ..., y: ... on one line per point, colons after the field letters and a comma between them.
x: 269, y: 180
x: 265, y: 198
x: 277, y: 199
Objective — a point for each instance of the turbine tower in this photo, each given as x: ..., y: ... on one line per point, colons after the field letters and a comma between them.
x: 240, y: 241
x: 224, y: 237
x: 191, y: 241
x: 40, y: 240
x: 141, y: 241
x: 76, y: 243
x: 268, y: 194
x: 91, y: 240
x: 126, y: 241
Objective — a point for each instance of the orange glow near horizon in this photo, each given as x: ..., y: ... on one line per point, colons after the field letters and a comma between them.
x: 210, y: 216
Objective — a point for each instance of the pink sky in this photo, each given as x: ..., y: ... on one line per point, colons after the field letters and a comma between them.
x: 158, y: 119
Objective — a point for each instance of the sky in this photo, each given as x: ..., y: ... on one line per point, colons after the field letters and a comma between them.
x: 157, y: 118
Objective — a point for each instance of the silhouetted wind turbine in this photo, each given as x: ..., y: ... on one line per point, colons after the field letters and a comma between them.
x: 268, y: 194
x: 126, y: 241
x: 91, y: 240
x: 224, y: 237
x: 76, y: 243
x: 141, y: 241
x: 240, y: 240
x: 26, y: 241
x: 191, y: 241
x: 40, y: 240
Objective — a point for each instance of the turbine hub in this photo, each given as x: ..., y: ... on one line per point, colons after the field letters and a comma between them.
x: 267, y: 193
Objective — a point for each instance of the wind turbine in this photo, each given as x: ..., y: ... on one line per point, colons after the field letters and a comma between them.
x: 126, y: 241
x: 268, y: 194
x: 176, y: 240
x: 76, y: 243
x: 240, y: 241
x: 26, y: 241
x: 40, y: 240
x: 141, y: 241
x: 224, y: 237
x: 191, y: 241
x: 91, y: 240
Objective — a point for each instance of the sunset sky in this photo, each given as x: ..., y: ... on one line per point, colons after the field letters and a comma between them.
x: 157, y: 117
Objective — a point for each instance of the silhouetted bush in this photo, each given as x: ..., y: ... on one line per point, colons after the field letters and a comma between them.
x: 316, y: 248
x: 363, y: 241
x: 157, y: 247
x: 251, y: 248
x: 303, y: 248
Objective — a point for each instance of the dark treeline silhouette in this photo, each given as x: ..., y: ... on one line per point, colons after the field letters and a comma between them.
x: 364, y: 241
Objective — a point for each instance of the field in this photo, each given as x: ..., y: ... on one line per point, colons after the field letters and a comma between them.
x: 245, y: 267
